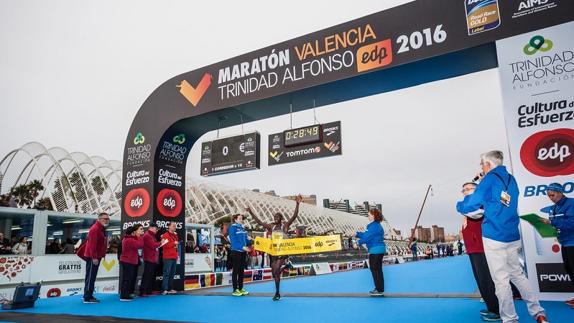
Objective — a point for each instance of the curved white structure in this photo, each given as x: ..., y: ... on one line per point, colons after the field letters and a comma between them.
x: 78, y: 183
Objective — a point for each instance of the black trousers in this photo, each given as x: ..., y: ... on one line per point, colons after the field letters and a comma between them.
x: 90, y: 280
x: 376, y: 266
x: 238, y: 263
x: 568, y: 258
x: 128, y: 283
x: 148, y: 278
x: 484, y: 281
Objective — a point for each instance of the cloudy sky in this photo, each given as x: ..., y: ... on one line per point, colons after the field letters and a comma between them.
x: 74, y: 73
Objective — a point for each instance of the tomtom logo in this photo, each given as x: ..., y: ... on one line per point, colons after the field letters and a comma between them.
x: 169, y: 203
x: 549, y: 153
x: 137, y: 202
x: 555, y: 277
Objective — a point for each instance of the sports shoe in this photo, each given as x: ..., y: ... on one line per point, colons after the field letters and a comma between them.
x: 570, y: 302
x: 244, y: 292
x: 375, y: 292
x: 484, y: 312
x: 127, y: 299
x: 173, y: 291
x: 133, y: 296
x: 491, y: 317
x: 92, y: 300
x: 237, y: 292
x: 276, y: 297
x: 164, y: 292
x: 541, y: 319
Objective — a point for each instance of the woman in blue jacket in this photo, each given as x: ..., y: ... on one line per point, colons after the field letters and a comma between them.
x: 374, y: 238
x: 238, y: 239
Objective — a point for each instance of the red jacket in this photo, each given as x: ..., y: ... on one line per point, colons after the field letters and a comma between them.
x: 472, y: 236
x: 97, y: 243
x: 130, y: 246
x: 170, y: 248
x: 150, y: 245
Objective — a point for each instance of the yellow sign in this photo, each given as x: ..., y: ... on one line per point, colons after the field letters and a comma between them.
x: 108, y: 265
x: 296, y: 246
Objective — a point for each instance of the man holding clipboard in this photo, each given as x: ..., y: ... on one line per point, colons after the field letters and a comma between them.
x: 561, y: 217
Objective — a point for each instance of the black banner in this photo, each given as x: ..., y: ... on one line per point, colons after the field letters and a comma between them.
x: 553, y: 278
x: 232, y: 154
x: 331, y: 145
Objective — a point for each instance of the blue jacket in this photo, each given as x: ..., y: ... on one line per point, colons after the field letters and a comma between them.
x: 237, y: 237
x: 562, y: 218
x: 374, y: 238
x: 500, y: 222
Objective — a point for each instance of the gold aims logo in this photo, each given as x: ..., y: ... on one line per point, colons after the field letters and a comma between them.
x: 194, y: 94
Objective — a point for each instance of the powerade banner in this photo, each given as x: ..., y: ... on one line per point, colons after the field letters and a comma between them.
x: 296, y: 246
x: 537, y: 79
x: 331, y: 145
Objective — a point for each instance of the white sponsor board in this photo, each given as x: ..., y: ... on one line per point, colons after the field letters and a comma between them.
x: 198, y: 263
x: 537, y: 80
x: 321, y: 268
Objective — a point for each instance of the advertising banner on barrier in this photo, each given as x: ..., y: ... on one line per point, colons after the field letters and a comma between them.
x: 321, y: 268
x: 197, y: 263
x: 537, y: 80
x: 282, y: 247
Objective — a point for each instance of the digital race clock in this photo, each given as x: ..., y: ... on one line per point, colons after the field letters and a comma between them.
x: 303, y: 136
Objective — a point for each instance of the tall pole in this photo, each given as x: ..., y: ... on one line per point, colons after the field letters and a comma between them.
x: 421, y: 212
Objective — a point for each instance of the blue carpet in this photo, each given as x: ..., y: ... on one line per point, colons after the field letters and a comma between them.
x: 445, y: 275
x: 442, y: 275
x: 297, y: 309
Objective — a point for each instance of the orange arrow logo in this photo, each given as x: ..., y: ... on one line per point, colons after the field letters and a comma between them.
x: 194, y: 94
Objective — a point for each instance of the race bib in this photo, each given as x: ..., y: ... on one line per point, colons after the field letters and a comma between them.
x: 505, y: 198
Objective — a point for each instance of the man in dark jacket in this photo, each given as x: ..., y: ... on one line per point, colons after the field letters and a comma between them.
x: 96, y: 246
x: 472, y: 236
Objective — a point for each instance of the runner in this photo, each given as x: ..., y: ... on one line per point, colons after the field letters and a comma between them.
x: 278, y: 230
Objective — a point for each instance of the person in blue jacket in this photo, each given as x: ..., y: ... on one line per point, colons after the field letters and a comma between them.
x: 561, y: 216
x: 374, y: 238
x: 238, y: 239
x: 498, y: 194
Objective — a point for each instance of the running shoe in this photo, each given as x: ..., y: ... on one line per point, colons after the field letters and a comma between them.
x: 164, y: 292
x: 491, y: 317
x: 541, y: 319
x: 173, y: 291
x: 92, y: 300
x: 570, y: 302
x: 485, y: 312
x: 237, y: 292
x: 375, y: 292
x: 243, y: 292
x: 127, y: 299
x: 276, y: 297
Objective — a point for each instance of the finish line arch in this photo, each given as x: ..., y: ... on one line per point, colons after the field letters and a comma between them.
x: 415, y: 43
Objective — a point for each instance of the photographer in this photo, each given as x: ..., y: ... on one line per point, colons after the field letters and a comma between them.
x: 498, y: 194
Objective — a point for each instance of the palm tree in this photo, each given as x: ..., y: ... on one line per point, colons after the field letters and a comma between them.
x: 34, y: 189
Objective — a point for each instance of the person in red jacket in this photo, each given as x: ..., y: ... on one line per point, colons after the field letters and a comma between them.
x: 472, y: 236
x: 170, y: 256
x: 150, y: 255
x: 95, y: 250
x: 129, y: 260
